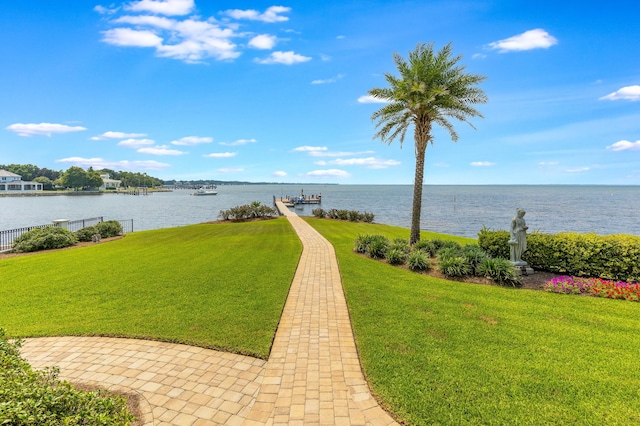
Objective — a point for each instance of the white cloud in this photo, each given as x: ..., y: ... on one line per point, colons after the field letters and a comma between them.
x: 42, y: 129
x: 99, y: 163
x: 441, y: 164
x: 105, y: 10
x: 329, y: 173
x: 548, y: 163
x: 369, y: 162
x: 129, y: 37
x: 337, y: 153
x: 263, y: 41
x: 279, y: 173
x: 532, y: 39
x: 231, y: 170
x: 239, y: 142
x: 192, y: 140
x: 307, y: 148
x: 482, y: 164
x: 631, y: 93
x: 162, y: 7
x: 271, y: 15
x: 328, y: 80
x: 190, y: 40
x: 116, y: 135
x: 478, y: 56
x: 625, y: 146
x: 340, y: 37
x: 577, y: 170
x: 136, y: 143
x: 368, y: 99
x: 220, y: 155
x: 286, y: 58
x: 161, y: 150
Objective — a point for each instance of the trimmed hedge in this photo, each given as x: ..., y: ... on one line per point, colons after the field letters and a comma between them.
x: 614, y: 257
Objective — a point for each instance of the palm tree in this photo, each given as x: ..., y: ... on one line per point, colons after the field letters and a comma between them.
x: 431, y: 89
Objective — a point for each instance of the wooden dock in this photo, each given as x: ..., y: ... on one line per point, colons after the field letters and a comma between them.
x: 291, y: 201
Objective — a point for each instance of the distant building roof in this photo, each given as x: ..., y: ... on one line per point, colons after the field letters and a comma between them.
x: 4, y: 173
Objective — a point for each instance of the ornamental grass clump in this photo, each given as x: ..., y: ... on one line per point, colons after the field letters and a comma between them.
x: 396, y: 256
x: 419, y: 261
x: 378, y: 247
x: 426, y: 246
x: 499, y: 270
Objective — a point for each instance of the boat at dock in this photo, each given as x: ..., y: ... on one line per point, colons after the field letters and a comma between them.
x: 203, y: 191
x: 292, y: 201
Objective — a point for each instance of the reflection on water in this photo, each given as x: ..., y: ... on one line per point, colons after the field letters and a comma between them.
x: 458, y: 210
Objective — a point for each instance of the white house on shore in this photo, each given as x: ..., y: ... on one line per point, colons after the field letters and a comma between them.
x: 107, y: 182
x: 13, y: 183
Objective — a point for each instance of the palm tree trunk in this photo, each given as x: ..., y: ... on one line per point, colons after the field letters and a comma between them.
x: 421, y: 138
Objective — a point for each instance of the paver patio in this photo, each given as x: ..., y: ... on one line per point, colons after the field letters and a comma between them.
x: 313, y: 374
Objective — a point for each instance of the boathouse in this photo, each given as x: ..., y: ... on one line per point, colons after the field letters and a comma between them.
x: 13, y: 183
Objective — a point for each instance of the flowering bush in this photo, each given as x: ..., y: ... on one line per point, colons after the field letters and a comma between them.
x: 594, y: 286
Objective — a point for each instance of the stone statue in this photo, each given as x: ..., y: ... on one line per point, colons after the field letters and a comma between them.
x: 518, y: 240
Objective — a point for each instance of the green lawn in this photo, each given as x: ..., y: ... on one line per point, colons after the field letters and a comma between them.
x: 214, y: 285
x: 443, y: 352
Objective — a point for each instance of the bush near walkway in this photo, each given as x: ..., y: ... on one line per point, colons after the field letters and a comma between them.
x: 38, y: 397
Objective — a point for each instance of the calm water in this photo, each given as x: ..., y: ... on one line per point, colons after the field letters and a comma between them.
x: 457, y: 210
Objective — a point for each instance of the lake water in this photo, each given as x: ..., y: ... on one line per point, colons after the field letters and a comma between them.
x: 457, y: 210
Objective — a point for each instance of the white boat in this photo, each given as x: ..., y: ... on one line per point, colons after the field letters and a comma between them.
x: 203, y: 191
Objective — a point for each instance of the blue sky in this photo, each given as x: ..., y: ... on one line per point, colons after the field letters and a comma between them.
x: 276, y: 91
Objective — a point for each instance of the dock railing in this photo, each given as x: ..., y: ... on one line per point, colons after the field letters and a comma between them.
x: 7, y: 237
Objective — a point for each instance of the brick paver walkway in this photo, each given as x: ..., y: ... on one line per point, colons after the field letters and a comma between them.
x: 313, y: 374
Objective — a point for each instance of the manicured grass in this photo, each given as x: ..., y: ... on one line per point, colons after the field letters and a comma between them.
x: 443, y: 352
x: 214, y: 285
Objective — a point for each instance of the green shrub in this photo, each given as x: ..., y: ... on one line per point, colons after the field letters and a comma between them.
x: 32, y: 397
x: 495, y: 243
x: 419, y: 261
x: 378, y: 247
x: 354, y: 216
x: 318, y: 212
x: 109, y: 228
x: 426, y: 246
x: 47, y: 238
x: 247, y: 211
x: 448, y: 252
x: 342, y: 214
x: 438, y: 243
x: 450, y: 244
x: 454, y: 266
x: 367, y: 217
x: 86, y: 234
x: 474, y: 255
x: 614, y: 257
x: 362, y: 243
x: 401, y: 244
x: 499, y: 270
x: 396, y: 256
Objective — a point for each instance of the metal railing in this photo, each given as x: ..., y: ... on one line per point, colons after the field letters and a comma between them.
x: 7, y: 237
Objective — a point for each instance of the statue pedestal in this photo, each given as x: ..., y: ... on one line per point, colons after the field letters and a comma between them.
x: 523, y: 268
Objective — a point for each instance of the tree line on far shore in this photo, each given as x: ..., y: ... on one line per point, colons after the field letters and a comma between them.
x: 78, y: 178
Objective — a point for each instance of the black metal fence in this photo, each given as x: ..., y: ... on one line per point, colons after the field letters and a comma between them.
x: 7, y: 237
